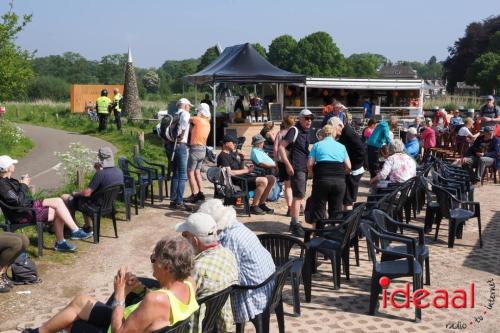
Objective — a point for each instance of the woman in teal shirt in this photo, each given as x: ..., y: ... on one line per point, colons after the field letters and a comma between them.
x: 329, y: 163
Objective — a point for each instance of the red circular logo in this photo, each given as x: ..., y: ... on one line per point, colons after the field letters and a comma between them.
x: 384, y: 282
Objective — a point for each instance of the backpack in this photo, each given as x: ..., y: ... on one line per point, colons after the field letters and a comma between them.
x: 169, y: 127
x: 24, y: 270
x: 274, y: 195
x: 210, y: 155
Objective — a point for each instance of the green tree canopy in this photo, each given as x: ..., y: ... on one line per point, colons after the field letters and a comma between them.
x: 151, y: 82
x: 261, y: 49
x: 206, y: 59
x: 71, y: 67
x: 15, y: 69
x: 112, y: 68
x: 317, y: 55
x: 485, y: 71
x: 174, y: 70
x: 281, y: 51
x: 364, y: 64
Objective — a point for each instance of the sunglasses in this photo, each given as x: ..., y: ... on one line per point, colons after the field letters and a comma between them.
x: 308, y: 118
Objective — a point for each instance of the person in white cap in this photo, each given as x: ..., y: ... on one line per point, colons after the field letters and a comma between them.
x: 412, y: 146
x: 215, y: 267
x: 178, y: 149
x: 200, y: 129
x: 294, y: 151
x: 17, y: 194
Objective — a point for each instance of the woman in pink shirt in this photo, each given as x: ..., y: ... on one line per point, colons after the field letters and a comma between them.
x: 428, y: 136
x: 367, y: 132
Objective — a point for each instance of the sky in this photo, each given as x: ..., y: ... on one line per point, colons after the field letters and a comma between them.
x: 159, y: 30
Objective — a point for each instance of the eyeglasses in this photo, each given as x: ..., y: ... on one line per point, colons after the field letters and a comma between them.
x: 308, y: 118
x: 152, y: 258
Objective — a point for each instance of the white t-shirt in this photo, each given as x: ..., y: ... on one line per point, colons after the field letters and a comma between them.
x: 184, y: 124
x: 464, y: 131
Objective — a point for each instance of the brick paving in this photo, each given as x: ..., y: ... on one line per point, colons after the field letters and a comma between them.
x: 345, y: 310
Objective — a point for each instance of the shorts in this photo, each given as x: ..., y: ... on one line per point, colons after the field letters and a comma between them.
x: 251, y: 182
x: 351, y: 189
x: 99, y: 320
x: 196, y: 157
x: 41, y: 212
x: 298, y: 184
x: 282, y: 174
x: 80, y: 204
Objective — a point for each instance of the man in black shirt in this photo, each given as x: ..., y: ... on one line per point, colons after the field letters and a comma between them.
x: 357, y: 153
x: 261, y: 185
x: 106, y: 175
x: 294, y: 151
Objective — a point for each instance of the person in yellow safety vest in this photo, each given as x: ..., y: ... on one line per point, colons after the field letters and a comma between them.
x: 102, y: 108
x: 117, y: 111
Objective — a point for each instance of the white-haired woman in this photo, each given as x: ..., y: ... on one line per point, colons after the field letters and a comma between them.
x: 399, y: 167
x: 254, y: 261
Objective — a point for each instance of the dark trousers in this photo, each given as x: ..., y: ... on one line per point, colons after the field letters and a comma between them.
x: 118, y: 119
x: 373, y: 164
x: 103, y: 121
x: 327, y: 190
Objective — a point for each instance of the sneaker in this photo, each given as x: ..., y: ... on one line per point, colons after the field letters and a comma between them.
x: 182, y: 206
x: 87, y: 229
x: 191, y: 199
x: 7, y: 281
x: 296, y: 230
x: 80, y: 234
x: 256, y: 210
x: 4, y: 287
x: 266, y: 209
x: 172, y: 205
x: 65, y: 247
x: 200, y: 196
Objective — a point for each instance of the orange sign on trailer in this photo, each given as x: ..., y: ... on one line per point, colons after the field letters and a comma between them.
x: 85, y: 95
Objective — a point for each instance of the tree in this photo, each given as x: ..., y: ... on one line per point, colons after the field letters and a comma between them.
x: 174, y: 70
x: 364, y: 64
x: 494, y: 45
x: 48, y: 87
x: 206, y: 59
x: 485, y: 72
x: 317, y: 55
x: 281, y: 51
x: 111, y: 68
x: 260, y: 49
x: 151, y: 82
x: 15, y: 68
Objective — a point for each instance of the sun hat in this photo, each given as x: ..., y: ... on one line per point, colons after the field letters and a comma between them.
x: 105, y: 156
x: 184, y: 101
x: 6, y: 161
x: 257, y: 139
x: 199, y: 224
x: 204, y: 110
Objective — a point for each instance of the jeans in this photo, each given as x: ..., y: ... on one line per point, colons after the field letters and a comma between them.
x: 118, y: 119
x: 178, y: 166
x: 480, y: 163
x: 327, y: 190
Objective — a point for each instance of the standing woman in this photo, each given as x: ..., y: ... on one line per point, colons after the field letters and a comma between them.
x: 380, y: 137
x: 11, y: 245
x: 288, y: 121
x: 329, y: 163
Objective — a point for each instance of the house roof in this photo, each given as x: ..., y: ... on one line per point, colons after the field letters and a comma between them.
x: 398, y: 71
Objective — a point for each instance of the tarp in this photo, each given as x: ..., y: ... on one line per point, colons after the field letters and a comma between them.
x: 243, y: 64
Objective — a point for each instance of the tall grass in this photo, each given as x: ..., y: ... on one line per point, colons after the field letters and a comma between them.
x: 450, y: 102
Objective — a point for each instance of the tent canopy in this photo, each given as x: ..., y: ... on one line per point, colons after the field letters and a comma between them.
x: 243, y: 64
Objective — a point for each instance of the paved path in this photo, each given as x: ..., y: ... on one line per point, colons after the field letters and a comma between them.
x: 40, y: 162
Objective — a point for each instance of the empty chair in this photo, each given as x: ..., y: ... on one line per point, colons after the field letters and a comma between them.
x: 144, y: 178
x: 158, y: 173
x: 129, y: 192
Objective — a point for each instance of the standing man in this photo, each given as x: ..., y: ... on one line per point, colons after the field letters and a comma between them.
x: 102, y: 107
x: 117, y: 110
x: 367, y: 108
x: 357, y: 153
x: 489, y: 113
x: 179, y: 152
x: 294, y: 152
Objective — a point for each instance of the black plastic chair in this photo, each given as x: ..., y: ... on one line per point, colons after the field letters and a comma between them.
x: 226, y: 192
x: 280, y: 246
x: 144, y: 178
x: 332, y: 239
x: 102, y: 203
x: 158, y: 173
x: 213, y: 305
x: 406, y: 266
x: 129, y: 193
x: 457, y: 212
x: 274, y: 304
x: 11, y: 224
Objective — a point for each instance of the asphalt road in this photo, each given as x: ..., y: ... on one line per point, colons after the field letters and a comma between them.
x: 40, y: 163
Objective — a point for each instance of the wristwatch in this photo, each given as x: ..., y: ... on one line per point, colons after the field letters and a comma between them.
x: 117, y: 303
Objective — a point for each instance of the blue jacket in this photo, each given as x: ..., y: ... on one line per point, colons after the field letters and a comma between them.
x: 380, y: 135
x: 412, y: 148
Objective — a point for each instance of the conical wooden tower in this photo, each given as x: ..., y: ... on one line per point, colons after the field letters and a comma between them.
x: 132, y: 108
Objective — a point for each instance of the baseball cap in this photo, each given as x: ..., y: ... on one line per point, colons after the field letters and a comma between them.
x: 204, y: 110
x: 306, y: 113
x: 229, y: 138
x: 490, y: 97
x: 105, y: 156
x: 412, y: 130
x: 257, y: 139
x: 6, y: 161
x: 487, y: 129
x: 184, y: 101
x: 199, y: 224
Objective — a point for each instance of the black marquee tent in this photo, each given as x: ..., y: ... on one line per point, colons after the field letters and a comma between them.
x: 241, y: 64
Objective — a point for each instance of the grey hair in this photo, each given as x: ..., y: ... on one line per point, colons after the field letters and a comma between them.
x: 397, y: 146
x: 177, y: 255
x: 335, y: 121
x: 224, y: 216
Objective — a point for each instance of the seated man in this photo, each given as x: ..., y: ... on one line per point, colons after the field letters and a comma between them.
x: 258, y: 156
x: 215, y: 267
x: 254, y: 261
x: 481, y: 154
x: 412, y: 146
x: 106, y: 175
x: 174, y: 301
x: 261, y: 185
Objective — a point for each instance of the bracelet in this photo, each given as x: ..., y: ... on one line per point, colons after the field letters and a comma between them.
x: 117, y: 303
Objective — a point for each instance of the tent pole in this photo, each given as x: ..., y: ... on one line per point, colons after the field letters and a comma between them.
x: 215, y: 118
x: 195, y: 94
x: 305, y: 96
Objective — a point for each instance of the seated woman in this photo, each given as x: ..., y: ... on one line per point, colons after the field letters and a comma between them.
x: 175, y: 301
x: 398, y: 167
x: 11, y: 245
x: 17, y: 194
x: 465, y: 133
x: 329, y: 163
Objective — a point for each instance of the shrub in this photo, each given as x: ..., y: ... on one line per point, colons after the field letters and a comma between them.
x: 78, y: 157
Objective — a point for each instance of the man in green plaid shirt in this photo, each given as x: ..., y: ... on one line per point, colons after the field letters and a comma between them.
x: 215, y: 267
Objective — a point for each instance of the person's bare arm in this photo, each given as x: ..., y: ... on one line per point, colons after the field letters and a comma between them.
x: 241, y: 172
x: 284, y: 158
x: 347, y: 165
x: 310, y: 164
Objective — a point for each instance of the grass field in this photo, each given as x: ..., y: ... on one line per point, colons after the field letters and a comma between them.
x: 14, y: 142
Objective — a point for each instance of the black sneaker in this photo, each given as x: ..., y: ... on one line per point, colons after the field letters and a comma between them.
x: 200, y: 196
x: 266, y: 209
x: 4, y: 288
x: 172, y: 205
x: 191, y: 199
x: 87, y: 228
x: 296, y: 230
x: 256, y: 210
x: 182, y: 206
x: 7, y: 281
